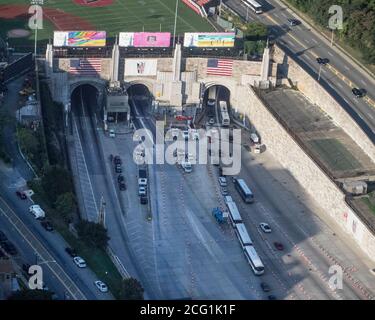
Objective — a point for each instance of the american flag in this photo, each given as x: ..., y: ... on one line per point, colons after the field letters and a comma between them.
x: 87, y: 66
x: 219, y: 67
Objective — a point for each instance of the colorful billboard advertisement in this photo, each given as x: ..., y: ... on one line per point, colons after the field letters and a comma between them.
x: 79, y: 38
x: 206, y: 40
x: 141, y: 67
x: 144, y: 39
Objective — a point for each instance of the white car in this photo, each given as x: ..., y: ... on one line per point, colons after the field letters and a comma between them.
x: 265, y: 227
x: 211, y: 121
x: 112, y: 133
x: 142, y: 191
x: 101, y: 286
x: 37, y: 211
x: 222, y: 181
x: 80, y: 263
x: 187, y: 166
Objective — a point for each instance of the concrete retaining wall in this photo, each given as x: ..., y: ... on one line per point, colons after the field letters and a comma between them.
x: 306, y: 172
x: 319, y: 96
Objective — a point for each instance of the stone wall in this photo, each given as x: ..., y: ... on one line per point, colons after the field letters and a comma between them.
x: 319, y: 96
x: 293, y: 158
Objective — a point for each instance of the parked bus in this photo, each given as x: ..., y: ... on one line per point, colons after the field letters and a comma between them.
x: 254, y: 260
x: 244, y: 191
x: 234, y: 214
x: 253, y: 5
x: 225, y: 120
x: 242, y: 235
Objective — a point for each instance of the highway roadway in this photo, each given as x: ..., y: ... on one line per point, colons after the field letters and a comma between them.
x: 305, y: 45
x: 34, y: 244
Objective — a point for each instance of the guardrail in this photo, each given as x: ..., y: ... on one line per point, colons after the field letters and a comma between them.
x: 118, y: 264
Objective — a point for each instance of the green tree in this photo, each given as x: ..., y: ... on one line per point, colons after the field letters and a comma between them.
x: 255, y: 31
x: 93, y: 234
x: 27, y: 294
x: 56, y: 181
x: 66, y: 205
x: 131, y: 289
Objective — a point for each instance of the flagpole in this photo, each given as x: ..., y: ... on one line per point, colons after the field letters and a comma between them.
x: 175, y: 24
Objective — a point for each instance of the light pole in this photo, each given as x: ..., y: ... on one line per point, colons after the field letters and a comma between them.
x: 320, y: 72
x: 175, y: 24
x: 332, y: 37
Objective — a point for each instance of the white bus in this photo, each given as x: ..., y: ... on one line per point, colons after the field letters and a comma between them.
x: 234, y: 214
x: 243, y: 235
x: 244, y: 191
x: 225, y: 120
x: 254, y: 260
x: 253, y: 5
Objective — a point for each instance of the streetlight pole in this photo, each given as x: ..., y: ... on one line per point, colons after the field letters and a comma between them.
x: 320, y: 72
x: 175, y: 24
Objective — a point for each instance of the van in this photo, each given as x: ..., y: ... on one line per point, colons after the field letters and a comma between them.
x: 37, y: 211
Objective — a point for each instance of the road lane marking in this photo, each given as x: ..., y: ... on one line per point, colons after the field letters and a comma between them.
x: 367, y: 99
x: 330, y: 53
x: 40, y: 245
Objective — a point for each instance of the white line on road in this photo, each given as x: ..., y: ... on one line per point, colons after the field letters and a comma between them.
x: 340, y: 85
x: 313, y: 40
x: 331, y: 54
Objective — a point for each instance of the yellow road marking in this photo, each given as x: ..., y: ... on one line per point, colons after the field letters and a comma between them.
x: 368, y: 100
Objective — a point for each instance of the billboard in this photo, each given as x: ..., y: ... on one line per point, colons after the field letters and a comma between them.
x: 144, y: 39
x: 141, y: 67
x: 212, y: 39
x: 79, y: 38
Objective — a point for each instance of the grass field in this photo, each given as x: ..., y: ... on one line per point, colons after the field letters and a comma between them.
x: 335, y: 155
x: 122, y: 15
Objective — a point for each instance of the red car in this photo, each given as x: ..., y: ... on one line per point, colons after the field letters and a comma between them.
x: 279, y: 246
x: 21, y: 195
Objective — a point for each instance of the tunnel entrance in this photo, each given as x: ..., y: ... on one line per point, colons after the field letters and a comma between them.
x: 85, y: 95
x: 140, y: 99
x: 216, y: 104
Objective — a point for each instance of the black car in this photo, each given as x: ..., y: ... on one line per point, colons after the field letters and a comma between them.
x: 3, y: 237
x: 272, y: 297
x: 359, y: 93
x: 120, y: 178
x: 9, y: 248
x: 265, y: 287
x: 122, y: 186
x: 117, y: 160
x: 143, y: 200
x: 322, y: 61
x: 47, y: 225
x: 21, y: 195
x: 71, y: 252
x: 294, y: 22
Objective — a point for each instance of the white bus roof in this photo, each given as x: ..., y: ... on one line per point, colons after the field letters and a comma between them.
x: 253, y: 255
x: 244, y: 186
x: 254, y: 3
x: 245, y: 238
x: 233, y: 210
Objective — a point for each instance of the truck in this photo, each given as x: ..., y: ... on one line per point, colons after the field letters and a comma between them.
x: 220, y: 215
x: 142, y: 176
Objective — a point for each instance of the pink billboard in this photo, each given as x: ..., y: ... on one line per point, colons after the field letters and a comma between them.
x: 145, y: 39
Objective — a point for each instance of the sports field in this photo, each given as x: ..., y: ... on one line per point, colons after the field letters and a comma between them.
x: 112, y: 16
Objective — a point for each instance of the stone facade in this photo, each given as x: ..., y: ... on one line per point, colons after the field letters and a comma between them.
x: 306, y: 172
